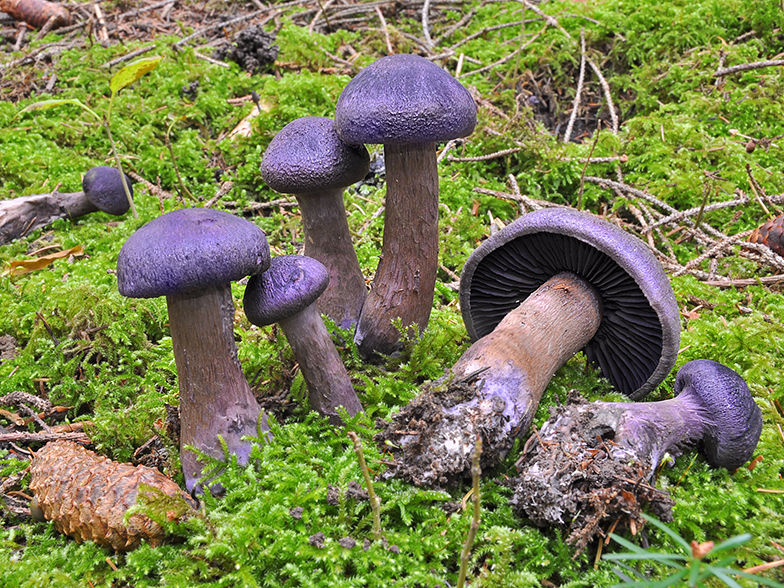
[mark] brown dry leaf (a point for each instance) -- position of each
(25, 266)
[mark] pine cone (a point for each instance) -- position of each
(771, 234)
(86, 496)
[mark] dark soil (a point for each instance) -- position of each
(253, 49)
(432, 439)
(572, 475)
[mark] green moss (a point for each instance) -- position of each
(83, 345)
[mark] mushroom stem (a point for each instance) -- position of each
(215, 398)
(645, 431)
(521, 355)
(508, 371)
(329, 384)
(19, 216)
(404, 284)
(591, 461)
(328, 240)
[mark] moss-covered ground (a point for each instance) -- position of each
(683, 133)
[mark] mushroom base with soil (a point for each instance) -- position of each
(594, 461)
(20, 216)
(572, 474)
(215, 398)
(494, 388)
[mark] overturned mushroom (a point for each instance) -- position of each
(286, 294)
(548, 285)
(191, 256)
(308, 159)
(102, 190)
(408, 104)
(594, 460)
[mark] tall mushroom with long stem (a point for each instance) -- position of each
(308, 159)
(548, 285)
(606, 453)
(408, 104)
(191, 256)
(101, 190)
(286, 294)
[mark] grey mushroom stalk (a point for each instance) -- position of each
(102, 190)
(548, 285)
(308, 159)
(607, 453)
(191, 256)
(286, 294)
(408, 104)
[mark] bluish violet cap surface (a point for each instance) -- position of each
(103, 187)
(735, 419)
(636, 344)
(292, 283)
(403, 99)
(190, 249)
(307, 156)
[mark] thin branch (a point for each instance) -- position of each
(487, 157)
(426, 24)
(128, 56)
(508, 57)
(385, 29)
(578, 93)
(747, 66)
(375, 501)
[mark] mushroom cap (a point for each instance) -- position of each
(103, 187)
(190, 249)
(734, 419)
(308, 156)
(403, 99)
(636, 344)
(292, 283)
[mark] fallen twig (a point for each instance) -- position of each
(24, 437)
(486, 157)
(128, 56)
(578, 93)
(725, 71)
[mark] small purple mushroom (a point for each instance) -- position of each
(408, 104)
(548, 285)
(286, 294)
(603, 453)
(308, 159)
(191, 256)
(101, 190)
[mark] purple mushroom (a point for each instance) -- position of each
(604, 453)
(101, 190)
(308, 159)
(191, 256)
(408, 104)
(548, 285)
(286, 294)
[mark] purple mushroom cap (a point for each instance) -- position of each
(636, 344)
(103, 187)
(189, 249)
(734, 419)
(308, 156)
(292, 283)
(403, 99)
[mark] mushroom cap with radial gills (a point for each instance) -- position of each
(636, 344)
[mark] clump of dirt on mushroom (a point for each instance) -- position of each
(572, 478)
(428, 458)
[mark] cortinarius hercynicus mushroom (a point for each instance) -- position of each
(286, 294)
(191, 256)
(408, 104)
(101, 190)
(604, 453)
(548, 285)
(308, 159)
